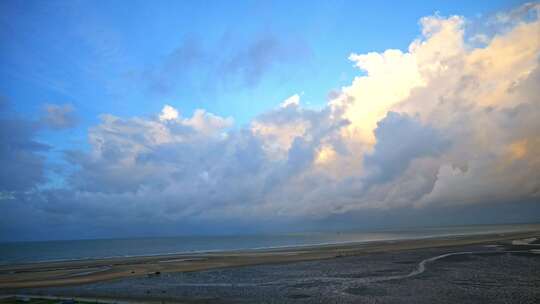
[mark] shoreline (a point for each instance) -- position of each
(96, 300)
(74, 272)
(261, 249)
(535, 227)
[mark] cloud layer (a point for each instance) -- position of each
(446, 124)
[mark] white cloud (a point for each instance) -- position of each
(208, 123)
(293, 101)
(168, 113)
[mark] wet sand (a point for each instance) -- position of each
(466, 269)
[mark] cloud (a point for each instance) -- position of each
(293, 101)
(59, 116)
(130, 154)
(435, 129)
(228, 63)
(21, 159)
(181, 66)
(260, 56)
(168, 113)
(208, 123)
(399, 140)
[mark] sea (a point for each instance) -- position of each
(30, 252)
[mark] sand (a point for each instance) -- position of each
(50, 274)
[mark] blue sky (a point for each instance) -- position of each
(114, 57)
(98, 55)
(66, 63)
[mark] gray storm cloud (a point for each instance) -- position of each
(445, 124)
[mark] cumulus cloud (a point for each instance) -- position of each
(293, 101)
(168, 113)
(443, 124)
(208, 123)
(130, 154)
(465, 93)
(401, 139)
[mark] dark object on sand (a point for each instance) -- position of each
(155, 274)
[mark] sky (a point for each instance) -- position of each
(138, 118)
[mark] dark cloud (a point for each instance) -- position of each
(401, 139)
(251, 63)
(21, 158)
(59, 116)
(227, 64)
(182, 66)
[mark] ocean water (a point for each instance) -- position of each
(25, 252)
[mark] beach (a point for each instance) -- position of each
(491, 267)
